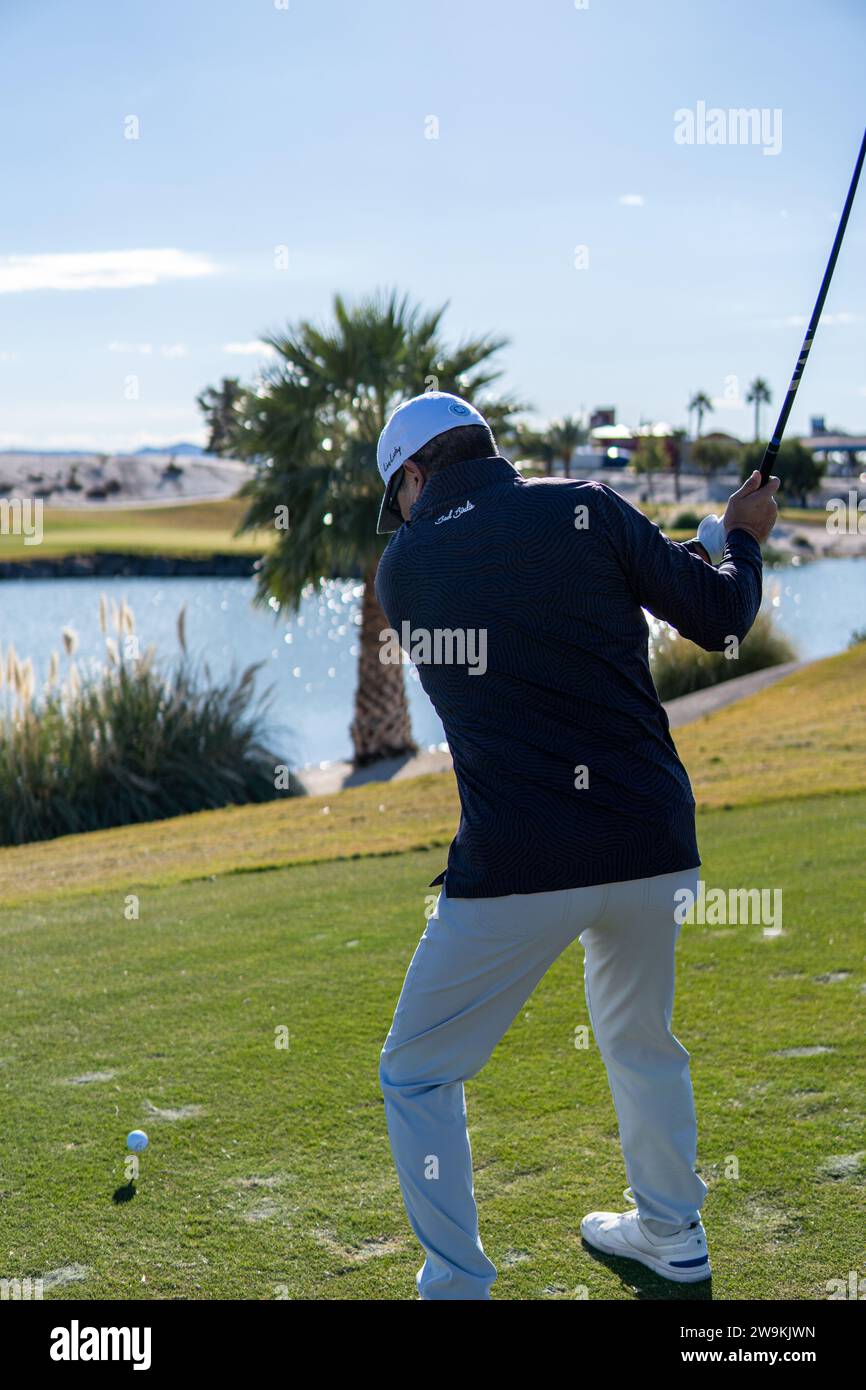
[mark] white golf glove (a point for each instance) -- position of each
(712, 534)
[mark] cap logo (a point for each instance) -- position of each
(398, 449)
(458, 409)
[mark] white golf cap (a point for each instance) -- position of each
(412, 425)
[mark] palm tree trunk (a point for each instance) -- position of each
(381, 727)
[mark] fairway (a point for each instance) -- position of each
(190, 530)
(269, 1173)
(194, 530)
(269, 1170)
(812, 739)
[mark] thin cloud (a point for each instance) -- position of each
(251, 349)
(146, 349)
(631, 200)
(100, 270)
(830, 320)
(114, 442)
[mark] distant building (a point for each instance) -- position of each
(615, 443)
(720, 437)
(603, 415)
(839, 452)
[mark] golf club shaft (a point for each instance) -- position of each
(772, 448)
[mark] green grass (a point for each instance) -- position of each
(193, 530)
(663, 512)
(282, 1176)
(270, 1168)
(202, 529)
(804, 735)
(813, 516)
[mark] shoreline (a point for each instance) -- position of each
(685, 709)
(805, 542)
(107, 564)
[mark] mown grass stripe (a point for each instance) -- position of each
(805, 736)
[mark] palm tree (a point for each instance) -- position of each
(565, 435)
(700, 403)
(758, 394)
(311, 427)
(533, 444)
(558, 441)
(218, 404)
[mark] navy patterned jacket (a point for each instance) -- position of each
(566, 769)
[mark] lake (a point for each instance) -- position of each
(310, 659)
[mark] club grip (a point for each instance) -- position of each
(770, 455)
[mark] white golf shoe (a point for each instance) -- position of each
(682, 1257)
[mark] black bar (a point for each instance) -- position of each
(197, 1340)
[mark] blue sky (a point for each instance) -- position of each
(304, 127)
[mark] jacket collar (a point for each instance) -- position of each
(461, 481)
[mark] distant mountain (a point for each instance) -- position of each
(183, 450)
(186, 450)
(48, 453)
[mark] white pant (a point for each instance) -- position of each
(474, 968)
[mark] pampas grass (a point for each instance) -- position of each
(127, 742)
(679, 667)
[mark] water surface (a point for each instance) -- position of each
(310, 659)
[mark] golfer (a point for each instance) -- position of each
(577, 817)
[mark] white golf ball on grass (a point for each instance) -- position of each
(137, 1140)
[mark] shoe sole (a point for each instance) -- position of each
(676, 1276)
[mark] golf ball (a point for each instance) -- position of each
(137, 1140)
